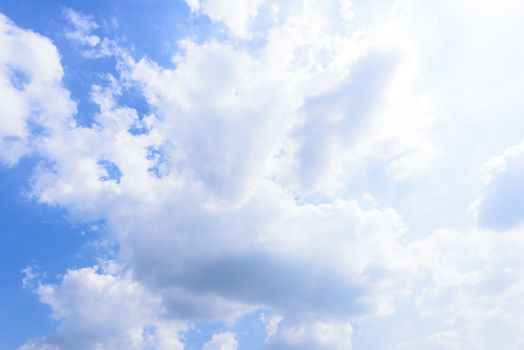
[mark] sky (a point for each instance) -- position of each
(261, 174)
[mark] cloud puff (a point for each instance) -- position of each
(100, 311)
(33, 101)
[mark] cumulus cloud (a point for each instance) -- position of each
(322, 105)
(261, 256)
(238, 238)
(102, 311)
(198, 204)
(237, 192)
(33, 101)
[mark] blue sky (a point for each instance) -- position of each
(259, 174)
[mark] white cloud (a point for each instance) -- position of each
(82, 32)
(82, 27)
(222, 341)
(203, 211)
(322, 105)
(102, 311)
(472, 289)
(235, 14)
(212, 227)
(262, 253)
(243, 189)
(31, 95)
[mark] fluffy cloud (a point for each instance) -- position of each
(101, 311)
(206, 205)
(33, 101)
(323, 106)
(211, 225)
(259, 254)
(246, 188)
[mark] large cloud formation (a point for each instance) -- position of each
(262, 180)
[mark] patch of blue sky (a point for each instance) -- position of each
(249, 332)
(112, 171)
(201, 333)
(38, 236)
(152, 29)
(132, 98)
(160, 158)
(18, 78)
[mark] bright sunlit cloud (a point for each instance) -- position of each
(261, 174)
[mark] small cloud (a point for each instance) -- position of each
(222, 341)
(82, 32)
(31, 276)
(83, 26)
